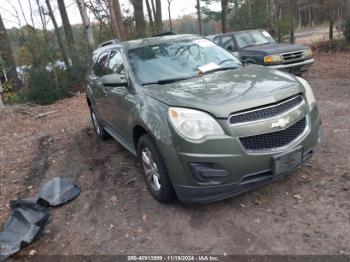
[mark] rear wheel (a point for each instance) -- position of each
(99, 129)
(154, 171)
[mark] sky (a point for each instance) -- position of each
(178, 9)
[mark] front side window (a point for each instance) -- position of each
(217, 40)
(227, 43)
(116, 65)
(101, 67)
(178, 59)
(252, 38)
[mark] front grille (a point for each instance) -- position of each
(291, 57)
(275, 139)
(266, 112)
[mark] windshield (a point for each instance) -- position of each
(179, 60)
(252, 38)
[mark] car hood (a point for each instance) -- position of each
(224, 92)
(275, 48)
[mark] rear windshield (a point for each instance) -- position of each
(179, 59)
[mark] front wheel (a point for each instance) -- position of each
(99, 129)
(154, 171)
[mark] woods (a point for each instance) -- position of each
(64, 47)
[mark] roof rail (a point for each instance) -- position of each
(165, 34)
(109, 42)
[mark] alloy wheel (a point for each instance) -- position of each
(151, 169)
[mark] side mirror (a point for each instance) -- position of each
(114, 80)
(230, 48)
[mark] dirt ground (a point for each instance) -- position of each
(305, 213)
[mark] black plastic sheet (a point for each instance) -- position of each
(58, 191)
(30, 215)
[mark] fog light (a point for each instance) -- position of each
(205, 171)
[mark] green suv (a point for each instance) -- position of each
(204, 125)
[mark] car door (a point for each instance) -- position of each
(95, 82)
(120, 100)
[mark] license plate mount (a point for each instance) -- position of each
(286, 162)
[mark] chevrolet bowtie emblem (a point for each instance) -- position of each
(281, 123)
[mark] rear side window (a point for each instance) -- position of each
(101, 67)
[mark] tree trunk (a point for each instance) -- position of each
(65, 53)
(1, 103)
(331, 27)
(250, 17)
(150, 17)
(153, 10)
(158, 17)
(66, 24)
(120, 22)
(224, 8)
(140, 23)
(292, 33)
(86, 24)
(169, 13)
(42, 19)
(271, 8)
(347, 21)
(114, 23)
(7, 54)
(199, 14)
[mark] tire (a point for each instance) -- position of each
(156, 177)
(99, 129)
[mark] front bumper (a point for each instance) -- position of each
(298, 67)
(207, 194)
(244, 171)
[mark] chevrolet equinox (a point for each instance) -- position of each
(204, 125)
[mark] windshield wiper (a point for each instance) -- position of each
(256, 44)
(167, 81)
(221, 69)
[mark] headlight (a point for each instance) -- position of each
(272, 59)
(308, 53)
(193, 124)
(308, 92)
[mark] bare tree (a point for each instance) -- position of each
(158, 16)
(65, 53)
(199, 15)
(7, 54)
(116, 19)
(1, 103)
(169, 13)
(23, 14)
(140, 23)
(347, 20)
(114, 23)
(42, 19)
(100, 10)
(86, 24)
(153, 9)
(150, 17)
(224, 8)
(271, 9)
(31, 13)
(118, 14)
(66, 24)
(15, 14)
